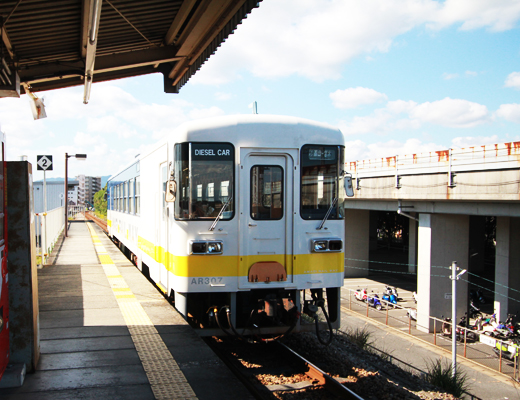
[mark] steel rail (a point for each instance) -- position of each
(328, 382)
(99, 222)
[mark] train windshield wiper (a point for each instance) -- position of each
(214, 224)
(328, 213)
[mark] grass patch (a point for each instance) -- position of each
(360, 337)
(440, 375)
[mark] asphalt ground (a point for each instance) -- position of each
(418, 351)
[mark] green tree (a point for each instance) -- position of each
(100, 204)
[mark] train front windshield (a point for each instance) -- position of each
(320, 182)
(205, 179)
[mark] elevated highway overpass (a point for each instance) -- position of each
(452, 205)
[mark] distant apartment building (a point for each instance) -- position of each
(88, 187)
(73, 195)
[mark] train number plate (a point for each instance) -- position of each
(214, 280)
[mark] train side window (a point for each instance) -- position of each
(138, 195)
(131, 196)
(266, 192)
(125, 197)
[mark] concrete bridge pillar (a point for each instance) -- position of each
(357, 223)
(507, 267)
(412, 246)
(442, 239)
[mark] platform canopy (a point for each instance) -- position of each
(51, 44)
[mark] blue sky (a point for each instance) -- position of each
(396, 76)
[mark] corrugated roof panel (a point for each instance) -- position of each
(46, 37)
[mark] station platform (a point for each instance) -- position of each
(107, 333)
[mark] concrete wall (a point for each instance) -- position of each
(357, 223)
(442, 239)
(514, 269)
(412, 245)
(507, 267)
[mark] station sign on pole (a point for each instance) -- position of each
(44, 163)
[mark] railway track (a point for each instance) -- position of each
(275, 371)
(98, 221)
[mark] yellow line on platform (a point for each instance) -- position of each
(166, 378)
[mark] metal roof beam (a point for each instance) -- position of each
(5, 39)
(113, 62)
(178, 22)
(85, 13)
(93, 28)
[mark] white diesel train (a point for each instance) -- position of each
(239, 220)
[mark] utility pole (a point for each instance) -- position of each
(454, 278)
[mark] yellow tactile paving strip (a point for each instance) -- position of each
(165, 376)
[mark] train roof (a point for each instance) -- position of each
(250, 130)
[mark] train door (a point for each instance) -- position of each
(163, 210)
(266, 218)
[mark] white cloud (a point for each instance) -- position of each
(469, 141)
(353, 97)
(447, 76)
(376, 123)
(198, 113)
(359, 150)
(315, 39)
(495, 15)
(471, 73)
(83, 139)
(223, 96)
(453, 113)
(111, 125)
(355, 150)
(106, 98)
(513, 80)
(510, 112)
(103, 129)
(400, 106)
(18, 124)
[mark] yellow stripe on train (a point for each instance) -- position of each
(197, 266)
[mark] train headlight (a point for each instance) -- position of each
(320, 245)
(203, 247)
(333, 245)
(214, 247)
